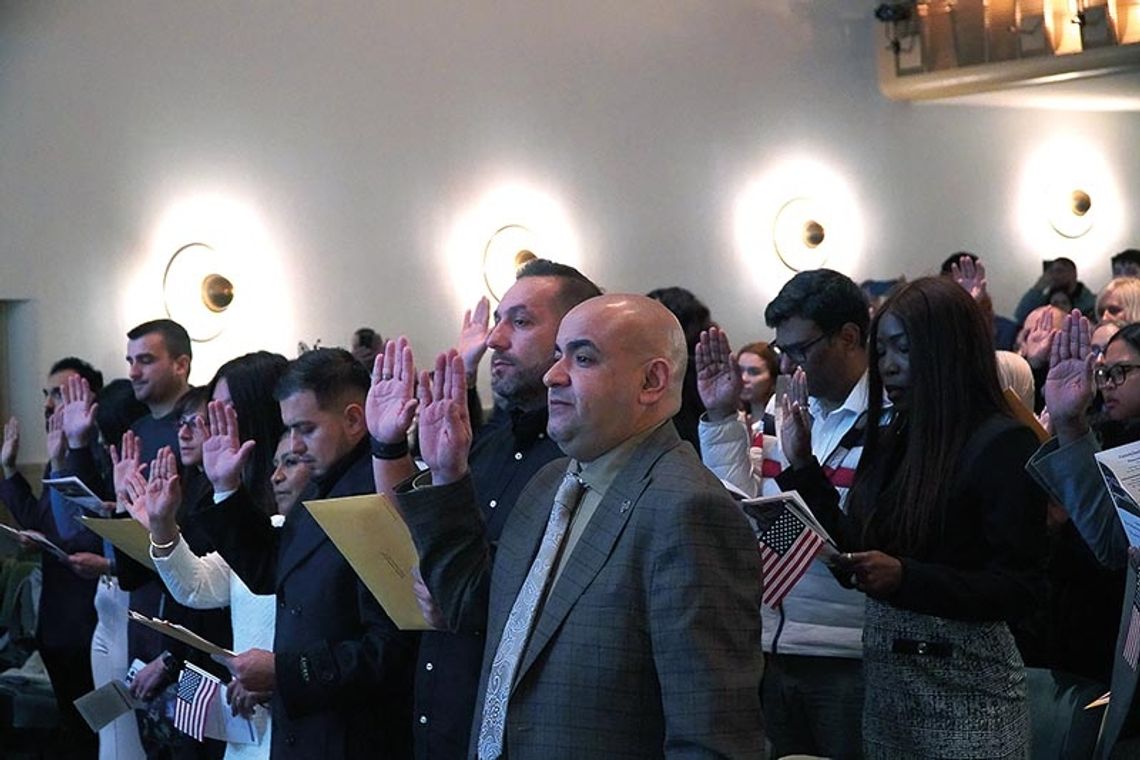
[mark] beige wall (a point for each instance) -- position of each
(352, 151)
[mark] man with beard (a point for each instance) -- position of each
(502, 460)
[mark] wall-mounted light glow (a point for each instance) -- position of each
(213, 233)
(1071, 213)
(801, 214)
(1069, 203)
(798, 234)
(195, 292)
(500, 230)
(509, 248)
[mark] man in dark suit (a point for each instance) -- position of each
(622, 608)
(340, 672)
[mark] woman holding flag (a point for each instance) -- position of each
(944, 532)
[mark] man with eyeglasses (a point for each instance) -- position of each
(66, 619)
(813, 680)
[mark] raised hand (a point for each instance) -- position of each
(392, 401)
(473, 336)
(125, 460)
(79, 409)
(795, 422)
(718, 375)
(223, 453)
(134, 498)
(445, 427)
(164, 496)
(1069, 384)
(56, 441)
(1038, 342)
(971, 276)
(11, 447)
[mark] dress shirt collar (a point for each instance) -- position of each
(599, 474)
(855, 403)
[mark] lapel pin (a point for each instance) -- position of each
(625, 505)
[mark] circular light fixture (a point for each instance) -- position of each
(799, 235)
(508, 249)
(194, 293)
(1071, 214)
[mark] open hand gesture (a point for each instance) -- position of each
(223, 453)
(391, 402)
(445, 427)
(56, 441)
(134, 498)
(971, 276)
(124, 460)
(1038, 342)
(796, 421)
(1069, 384)
(718, 375)
(79, 409)
(164, 493)
(11, 447)
(473, 336)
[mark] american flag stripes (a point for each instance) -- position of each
(196, 688)
(787, 548)
(1131, 650)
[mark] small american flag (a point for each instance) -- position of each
(1131, 649)
(787, 548)
(196, 688)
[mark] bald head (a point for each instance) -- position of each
(621, 361)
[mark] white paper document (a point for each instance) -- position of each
(109, 702)
(1120, 468)
(39, 539)
(74, 489)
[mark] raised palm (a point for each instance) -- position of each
(718, 375)
(1069, 384)
(56, 441)
(78, 411)
(473, 335)
(11, 447)
(1038, 343)
(970, 275)
(125, 461)
(795, 422)
(445, 426)
(391, 403)
(223, 453)
(163, 490)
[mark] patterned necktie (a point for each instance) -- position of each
(521, 620)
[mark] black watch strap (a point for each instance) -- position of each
(398, 450)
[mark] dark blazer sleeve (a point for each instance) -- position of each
(245, 538)
(455, 556)
(16, 493)
(327, 673)
(1011, 509)
(81, 463)
(823, 499)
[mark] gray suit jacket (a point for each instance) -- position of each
(649, 643)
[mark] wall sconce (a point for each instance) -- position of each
(509, 248)
(194, 292)
(1071, 215)
(799, 233)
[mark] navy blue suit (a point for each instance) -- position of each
(344, 671)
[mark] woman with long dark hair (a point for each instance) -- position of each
(944, 532)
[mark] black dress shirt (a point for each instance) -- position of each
(503, 459)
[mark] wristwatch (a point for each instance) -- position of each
(171, 664)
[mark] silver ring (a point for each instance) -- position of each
(385, 377)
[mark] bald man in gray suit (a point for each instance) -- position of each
(621, 610)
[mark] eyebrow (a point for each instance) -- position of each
(574, 345)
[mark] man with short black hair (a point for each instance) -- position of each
(340, 672)
(813, 684)
(1126, 263)
(1058, 275)
(66, 618)
(503, 459)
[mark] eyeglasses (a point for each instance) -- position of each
(193, 420)
(55, 394)
(797, 352)
(1113, 375)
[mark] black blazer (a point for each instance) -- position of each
(344, 671)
